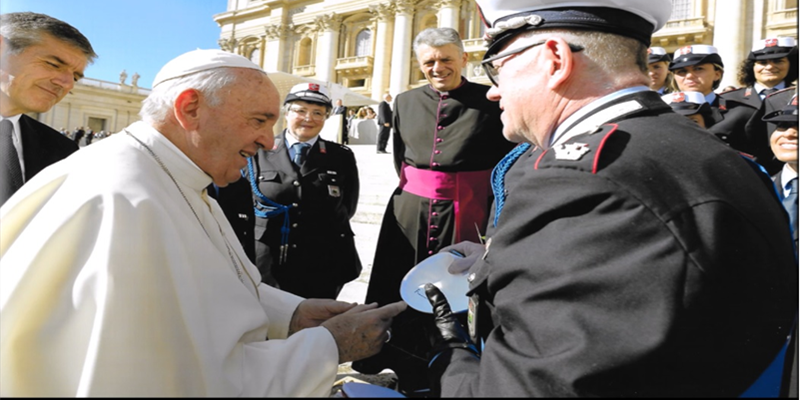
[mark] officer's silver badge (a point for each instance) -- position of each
(571, 151)
(334, 191)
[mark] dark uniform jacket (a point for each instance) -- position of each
(41, 146)
(641, 258)
(730, 117)
(320, 255)
(236, 200)
(456, 131)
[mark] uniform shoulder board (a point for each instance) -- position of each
(782, 91)
(580, 152)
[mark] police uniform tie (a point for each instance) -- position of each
(11, 175)
(300, 150)
(790, 204)
(766, 92)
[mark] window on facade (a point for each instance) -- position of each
(97, 124)
(681, 9)
(790, 4)
(364, 43)
(304, 52)
(255, 56)
(356, 83)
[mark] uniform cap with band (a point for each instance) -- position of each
(310, 93)
(201, 60)
(687, 103)
(656, 54)
(772, 48)
(636, 19)
(695, 55)
(786, 114)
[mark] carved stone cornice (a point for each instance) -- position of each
(447, 4)
(328, 22)
(382, 11)
(227, 44)
(404, 6)
(277, 31)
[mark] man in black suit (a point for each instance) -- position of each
(384, 123)
(341, 112)
(45, 57)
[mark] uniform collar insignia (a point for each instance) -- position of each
(571, 151)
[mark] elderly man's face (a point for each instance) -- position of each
(442, 65)
(38, 77)
(235, 129)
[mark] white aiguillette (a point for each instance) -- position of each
(434, 270)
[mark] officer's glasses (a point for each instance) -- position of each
(493, 72)
(306, 114)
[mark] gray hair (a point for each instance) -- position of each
(612, 54)
(21, 30)
(158, 105)
(438, 37)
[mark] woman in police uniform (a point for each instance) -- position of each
(304, 201)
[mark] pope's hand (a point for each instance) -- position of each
(362, 330)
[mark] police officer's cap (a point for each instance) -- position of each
(637, 19)
(310, 93)
(786, 114)
(688, 103)
(772, 48)
(695, 55)
(656, 54)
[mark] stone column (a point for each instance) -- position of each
(402, 41)
(449, 13)
(276, 43)
(381, 68)
(729, 37)
(328, 46)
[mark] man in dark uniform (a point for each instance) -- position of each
(632, 254)
(41, 58)
(307, 192)
(446, 141)
(384, 123)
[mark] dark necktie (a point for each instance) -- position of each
(300, 150)
(768, 91)
(790, 204)
(11, 175)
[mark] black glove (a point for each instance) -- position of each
(449, 335)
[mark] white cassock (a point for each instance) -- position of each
(111, 286)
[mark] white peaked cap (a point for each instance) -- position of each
(201, 60)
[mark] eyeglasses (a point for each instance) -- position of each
(306, 114)
(493, 72)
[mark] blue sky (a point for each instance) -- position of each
(137, 36)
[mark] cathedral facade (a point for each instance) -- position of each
(366, 45)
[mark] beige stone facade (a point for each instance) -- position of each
(97, 105)
(365, 45)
